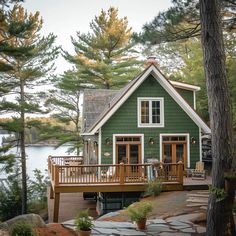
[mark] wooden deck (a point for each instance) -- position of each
(72, 203)
(69, 175)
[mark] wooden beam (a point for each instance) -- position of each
(56, 207)
(51, 193)
(100, 188)
(114, 188)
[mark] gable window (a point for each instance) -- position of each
(150, 112)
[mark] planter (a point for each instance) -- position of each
(142, 223)
(84, 232)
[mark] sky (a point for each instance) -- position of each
(64, 18)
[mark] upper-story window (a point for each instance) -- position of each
(150, 112)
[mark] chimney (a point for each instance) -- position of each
(151, 60)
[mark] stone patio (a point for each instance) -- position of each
(168, 227)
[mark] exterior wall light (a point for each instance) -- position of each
(193, 140)
(108, 141)
(151, 141)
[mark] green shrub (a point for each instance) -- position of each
(83, 221)
(139, 210)
(22, 228)
(154, 187)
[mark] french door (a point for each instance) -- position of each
(174, 149)
(128, 151)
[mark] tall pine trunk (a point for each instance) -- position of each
(219, 213)
(22, 148)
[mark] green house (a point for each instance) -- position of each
(150, 118)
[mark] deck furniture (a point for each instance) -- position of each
(109, 173)
(199, 172)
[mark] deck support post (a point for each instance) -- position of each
(56, 207)
(122, 173)
(180, 172)
(51, 192)
(122, 200)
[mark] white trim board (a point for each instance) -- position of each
(200, 145)
(168, 87)
(177, 134)
(126, 135)
(185, 86)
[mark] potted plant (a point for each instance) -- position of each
(138, 212)
(84, 223)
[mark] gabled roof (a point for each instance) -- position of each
(122, 95)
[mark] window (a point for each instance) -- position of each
(174, 138)
(150, 112)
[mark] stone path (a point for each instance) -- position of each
(179, 225)
(174, 226)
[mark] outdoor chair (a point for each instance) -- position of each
(72, 168)
(199, 172)
(109, 173)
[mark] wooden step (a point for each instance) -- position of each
(197, 200)
(196, 204)
(197, 195)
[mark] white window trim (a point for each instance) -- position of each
(194, 100)
(200, 144)
(162, 120)
(128, 135)
(178, 134)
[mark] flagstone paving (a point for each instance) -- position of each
(170, 227)
(173, 225)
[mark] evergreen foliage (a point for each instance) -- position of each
(182, 21)
(10, 196)
(29, 57)
(22, 228)
(6, 160)
(105, 58)
(64, 102)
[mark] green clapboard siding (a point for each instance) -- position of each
(124, 121)
(187, 95)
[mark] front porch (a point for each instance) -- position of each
(69, 175)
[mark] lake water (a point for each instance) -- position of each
(37, 156)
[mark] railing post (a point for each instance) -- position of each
(180, 172)
(49, 168)
(56, 175)
(122, 173)
(52, 171)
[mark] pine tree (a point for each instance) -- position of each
(220, 219)
(64, 102)
(6, 160)
(182, 21)
(30, 59)
(106, 56)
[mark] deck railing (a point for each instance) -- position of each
(65, 170)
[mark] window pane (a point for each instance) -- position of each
(182, 138)
(166, 138)
(174, 138)
(155, 112)
(144, 112)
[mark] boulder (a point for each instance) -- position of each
(33, 219)
(4, 233)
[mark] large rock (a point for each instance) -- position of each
(4, 233)
(33, 219)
